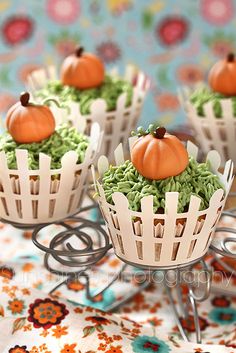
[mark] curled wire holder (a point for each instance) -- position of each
(77, 260)
(76, 263)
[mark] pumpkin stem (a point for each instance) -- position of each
(230, 57)
(160, 132)
(24, 98)
(79, 51)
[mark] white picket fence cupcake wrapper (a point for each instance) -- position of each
(45, 195)
(116, 124)
(212, 132)
(162, 240)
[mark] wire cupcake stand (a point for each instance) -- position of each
(73, 260)
(76, 261)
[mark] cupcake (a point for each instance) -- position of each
(43, 167)
(114, 102)
(211, 109)
(161, 206)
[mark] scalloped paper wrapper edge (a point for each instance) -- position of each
(169, 239)
(212, 132)
(116, 124)
(34, 190)
(45, 195)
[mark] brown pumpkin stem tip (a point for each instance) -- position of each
(79, 51)
(160, 132)
(24, 98)
(230, 57)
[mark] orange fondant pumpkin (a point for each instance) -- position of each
(222, 76)
(159, 155)
(82, 70)
(27, 122)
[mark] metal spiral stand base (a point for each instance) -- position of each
(76, 260)
(224, 247)
(76, 263)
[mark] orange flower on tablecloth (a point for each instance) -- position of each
(113, 349)
(16, 306)
(7, 272)
(75, 285)
(34, 349)
(44, 333)
(190, 74)
(27, 327)
(102, 347)
(27, 267)
(114, 263)
(167, 101)
(109, 340)
(25, 291)
(102, 336)
(9, 290)
(78, 310)
(59, 331)
(198, 350)
(69, 348)
(117, 337)
(153, 309)
(43, 348)
(27, 234)
(138, 298)
(18, 349)
(46, 313)
(154, 321)
(98, 320)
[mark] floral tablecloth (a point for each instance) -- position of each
(31, 321)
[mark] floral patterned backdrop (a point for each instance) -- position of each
(174, 42)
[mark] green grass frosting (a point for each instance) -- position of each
(109, 90)
(203, 95)
(196, 179)
(64, 139)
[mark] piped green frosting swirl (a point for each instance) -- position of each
(196, 179)
(110, 90)
(204, 95)
(64, 139)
